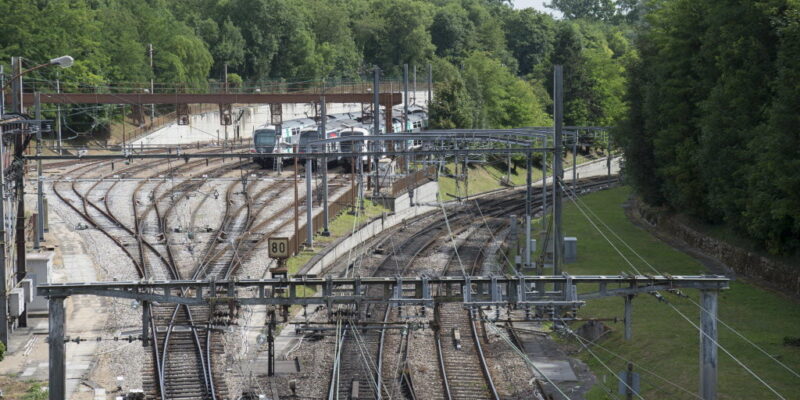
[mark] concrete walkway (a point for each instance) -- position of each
(85, 318)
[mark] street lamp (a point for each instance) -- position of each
(63, 62)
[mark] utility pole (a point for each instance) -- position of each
(629, 382)
(3, 273)
(430, 86)
(608, 158)
(323, 128)
(406, 127)
(124, 107)
(415, 84)
(152, 84)
(226, 91)
(544, 186)
(58, 120)
(558, 172)
(628, 319)
(271, 342)
(708, 344)
(528, 207)
(19, 182)
(575, 162)
(360, 146)
(309, 201)
(296, 206)
(57, 348)
(376, 126)
(39, 234)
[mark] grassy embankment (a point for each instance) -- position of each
(488, 176)
(339, 226)
(665, 343)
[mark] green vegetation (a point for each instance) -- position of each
(663, 341)
(340, 226)
(712, 127)
(492, 63)
(492, 175)
(37, 391)
(21, 389)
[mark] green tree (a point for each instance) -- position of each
(396, 33)
(603, 10)
(501, 99)
(336, 48)
(530, 36)
(452, 32)
(711, 127)
(452, 106)
(772, 210)
(229, 45)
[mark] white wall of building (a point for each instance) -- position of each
(206, 127)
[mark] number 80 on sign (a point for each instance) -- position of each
(278, 247)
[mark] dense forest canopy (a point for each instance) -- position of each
(493, 61)
(714, 122)
(705, 93)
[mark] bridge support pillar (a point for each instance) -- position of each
(57, 329)
(708, 344)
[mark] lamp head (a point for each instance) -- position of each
(63, 61)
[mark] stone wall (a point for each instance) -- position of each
(743, 262)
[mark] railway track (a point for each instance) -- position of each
(184, 345)
(464, 372)
(182, 340)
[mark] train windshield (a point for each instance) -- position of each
(306, 137)
(265, 137)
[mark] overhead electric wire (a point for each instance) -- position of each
(640, 367)
(635, 393)
(741, 364)
(525, 357)
(572, 197)
(452, 239)
(628, 246)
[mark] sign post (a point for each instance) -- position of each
(277, 248)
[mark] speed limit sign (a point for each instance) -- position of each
(278, 247)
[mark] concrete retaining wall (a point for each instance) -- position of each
(342, 246)
(747, 263)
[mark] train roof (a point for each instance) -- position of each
(416, 117)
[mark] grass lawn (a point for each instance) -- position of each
(485, 177)
(340, 225)
(665, 343)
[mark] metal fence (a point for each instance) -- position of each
(336, 207)
(403, 184)
(347, 200)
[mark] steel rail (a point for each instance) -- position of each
(315, 155)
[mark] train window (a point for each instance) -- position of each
(265, 137)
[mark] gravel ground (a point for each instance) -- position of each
(512, 377)
(426, 376)
(121, 318)
(315, 356)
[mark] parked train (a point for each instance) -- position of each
(296, 134)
